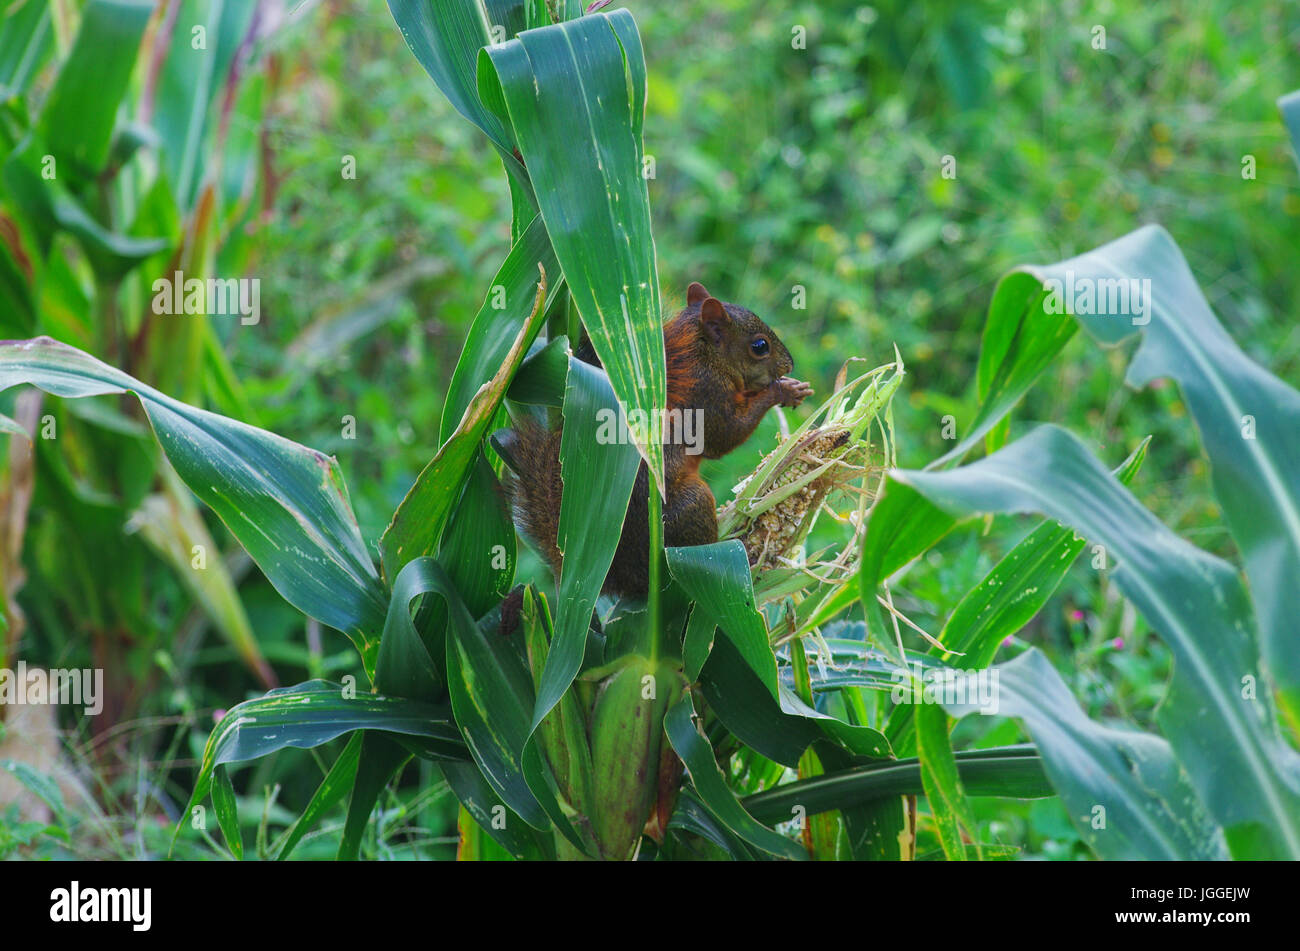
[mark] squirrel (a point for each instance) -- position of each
(724, 363)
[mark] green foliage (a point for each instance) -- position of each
(1219, 717)
(731, 716)
(286, 504)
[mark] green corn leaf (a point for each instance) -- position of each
(855, 663)
(491, 693)
(1010, 772)
(499, 322)
(190, 82)
(1018, 586)
(819, 833)
(942, 783)
(171, 523)
(446, 36)
(111, 254)
(902, 525)
(496, 818)
(239, 163)
(591, 523)
(1020, 341)
(873, 830)
(511, 16)
(227, 810)
(26, 40)
(286, 504)
(336, 784)
(575, 96)
(13, 427)
(712, 787)
(542, 375)
(49, 206)
(562, 737)
(77, 121)
(781, 728)
(1247, 420)
(746, 707)
(717, 578)
(405, 666)
(697, 643)
(1224, 733)
(312, 713)
(418, 522)
(1002, 603)
(478, 546)
(490, 690)
(1125, 793)
(381, 758)
(692, 816)
(1141, 285)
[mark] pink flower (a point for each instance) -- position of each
(1076, 615)
(1118, 643)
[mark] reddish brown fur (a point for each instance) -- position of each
(710, 369)
(680, 344)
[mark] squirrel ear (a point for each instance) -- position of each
(695, 293)
(713, 318)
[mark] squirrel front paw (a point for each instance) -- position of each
(791, 392)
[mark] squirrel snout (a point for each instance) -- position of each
(783, 366)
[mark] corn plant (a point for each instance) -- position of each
(1220, 780)
(129, 142)
(738, 711)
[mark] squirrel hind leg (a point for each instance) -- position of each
(690, 517)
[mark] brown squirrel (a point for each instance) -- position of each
(723, 361)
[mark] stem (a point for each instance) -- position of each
(656, 559)
(799, 666)
(573, 327)
(557, 319)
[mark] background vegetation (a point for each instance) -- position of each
(774, 168)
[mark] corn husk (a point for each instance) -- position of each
(833, 464)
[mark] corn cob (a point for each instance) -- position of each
(774, 509)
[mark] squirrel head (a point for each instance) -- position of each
(737, 342)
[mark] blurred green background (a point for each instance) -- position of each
(776, 168)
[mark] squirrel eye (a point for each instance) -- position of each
(759, 346)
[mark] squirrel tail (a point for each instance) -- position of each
(532, 484)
